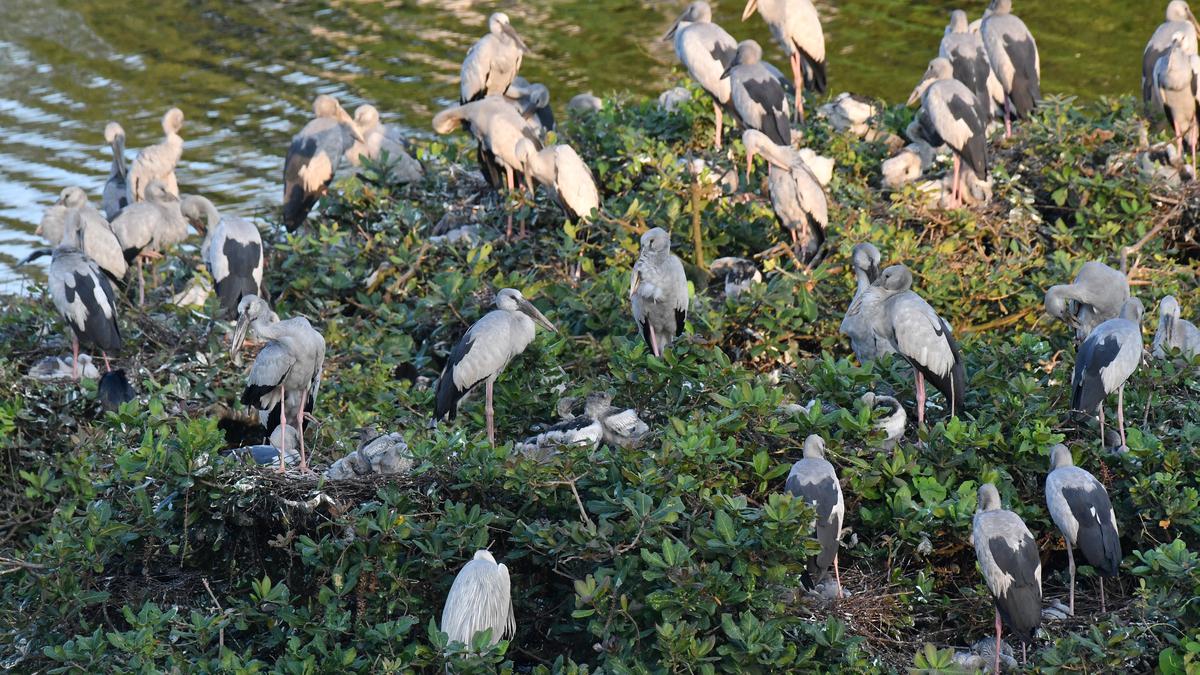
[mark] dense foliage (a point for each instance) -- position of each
(129, 544)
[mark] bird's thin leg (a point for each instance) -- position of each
(1071, 570)
(283, 423)
(1121, 412)
(954, 192)
(719, 115)
(1102, 440)
(141, 283)
(107, 365)
(920, 399)
(1103, 609)
(837, 575)
(508, 174)
(653, 340)
(1007, 118)
(1024, 654)
(74, 357)
(799, 82)
(488, 412)
(997, 655)
(300, 430)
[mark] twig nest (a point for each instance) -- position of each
(384, 455)
(671, 99)
(849, 113)
(585, 101)
(60, 368)
(820, 166)
(827, 590)
(973, 193)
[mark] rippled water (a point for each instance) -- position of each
(244, 72)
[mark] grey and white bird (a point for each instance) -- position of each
(950, 115)
(868, 299)
(924, 339)
(157, 162)
(532, 100)
(1177, 85)
(314, 157)
(1013, 53)
(797, 197)
(735, 275)
(796, 26)
(480, 599)
(492, 62)
(1079, 506)
(380, 140)
(1174, 332)
(559, 169)
(148, 227)
(890, 417)
(116, 188)
(658, 291)
(484, 351)
(97, 239)
(1109, 355)
(814, 480)
(582, 431)
(757, 94)
(1179, 19)
(964, 50)
(497, 128)
(289, 364)
(232, 251)
(706, 51)
(1011, 567)
(83, 297)
(1096, 295)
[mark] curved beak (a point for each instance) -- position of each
(532, 312)
(1192, 20)
(348, 121)
(725, 75)
(239, 337)
(512, 33)
(873, 271)
(749, 11)
(916, 94)
(674, 27)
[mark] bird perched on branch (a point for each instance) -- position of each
(658, 291)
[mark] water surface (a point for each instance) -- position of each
(245, 71)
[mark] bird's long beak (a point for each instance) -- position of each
(1192, 20)
(916, 94)
(873, 271)
(674, 27)
(725, 75)
(529, 108)
(533, 313)
(239, 337)
(512, 33)
(345, 118)
(749, 11)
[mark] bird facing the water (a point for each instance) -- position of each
(485, 350)
(1013, 53)
(157, 162)
(796, 26)
(658, 291)
(314, 157)
(116, 188)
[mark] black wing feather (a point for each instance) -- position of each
(1097, 537)
(296, 201)
(1021, 605)
(1087, 389)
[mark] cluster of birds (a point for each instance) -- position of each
(985, 72)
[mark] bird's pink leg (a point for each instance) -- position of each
(954, 192)
(1102, 439)
(920, 399)
(300, 429)
(837, 575)
(720, 118)
(653, 339)
(1103, 609)
(283, 423)
(1007, 118)
(997, 655)
(1071, 569)
(508, 173)
(74, 356)
(141, 283)
(798, 80)
(107, 365)
(1121, 412)
(490, 414)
